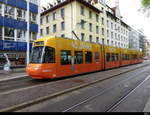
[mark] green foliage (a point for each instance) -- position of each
(146, 3)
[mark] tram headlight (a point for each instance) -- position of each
(37, 68)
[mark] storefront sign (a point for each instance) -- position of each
(21, 46)
(9, 45)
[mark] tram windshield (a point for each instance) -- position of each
(42, 54)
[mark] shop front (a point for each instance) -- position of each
(16, 52)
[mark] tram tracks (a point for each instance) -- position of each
(120, 100)
(37, 100)
(116, 103)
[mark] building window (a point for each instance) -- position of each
(47, 19)
(116, 36)
(41, 21)
(47, 30)
(33, 18)
(112, 35)
(90, 38)
(82, 24)
(112, 43)
(21, 14)
(90, 27)
(82, 10)
(97, 17)
(97, 29)
(108, 23)
(41, 32)
(82, 36)
(103, 21)
(107, 33)
(54, 28)
(63, 13)
(97, 39)
(9, 11)
(62, 25)
(9, 33)
(78, 57)
(20, 35)
(90, 14)
(103, 32)
(111, 25)
(65, 57)
(102, 10)
(33, 36)
(54, 16)
(108, 42)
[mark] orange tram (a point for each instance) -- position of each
(53, 57)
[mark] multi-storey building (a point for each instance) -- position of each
(142, 41)
(137, 40)
(75, 19)
(19, 21)
(134, 42)
(148, 49)
(117, 30)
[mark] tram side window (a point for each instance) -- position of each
(65, 57)
(49, 55)
(113, 57)
(128, 57)
(88, 57)
(122, 56)
(78, 57)
(96, 57)
(117, 57)
(108, 57)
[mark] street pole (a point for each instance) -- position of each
(27, 35)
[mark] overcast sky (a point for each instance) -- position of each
(129, 11)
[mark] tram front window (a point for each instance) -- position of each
(36, 54)
(42, 54)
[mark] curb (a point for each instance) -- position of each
(12, 78)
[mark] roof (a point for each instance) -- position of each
(67, 2)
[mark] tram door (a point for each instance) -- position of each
(103, 55)
(120, 58)
(72, 62)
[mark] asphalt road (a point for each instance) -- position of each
(100, 96)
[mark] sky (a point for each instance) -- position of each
(129, 12)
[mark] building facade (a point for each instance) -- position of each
(134, 42)
(137, 40)
(117, 30)
(74, 19)
(19, 24)
(142, 41)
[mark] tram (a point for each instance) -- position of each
(54, 57)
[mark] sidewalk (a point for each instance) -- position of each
(13, 74)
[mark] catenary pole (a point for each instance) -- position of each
(27, 35)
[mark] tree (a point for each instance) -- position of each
(145, 7)
(146, 4)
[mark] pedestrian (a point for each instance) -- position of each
(7, 65)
